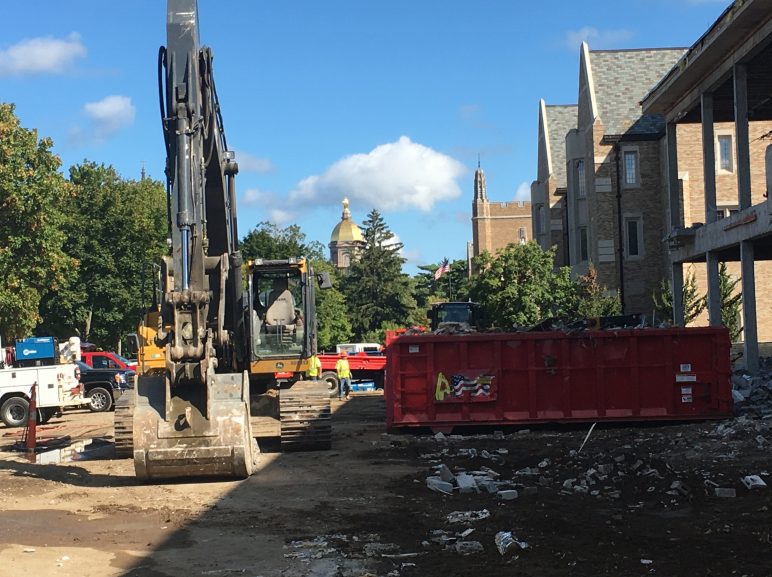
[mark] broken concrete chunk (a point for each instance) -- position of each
(446, 474)
(505, 540)
(438, 485)
(725, 492)
(468, 516)
(508, 495)
(469, 547)
(440, 436)
(466, 483)
(753, 482)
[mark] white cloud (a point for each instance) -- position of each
(272, 206)
(597, 38)
(41, 55)
(109, 115)
(251, 163)
(395, 176)
(523, 191)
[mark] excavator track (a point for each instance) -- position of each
(304, 413)
(124, 426)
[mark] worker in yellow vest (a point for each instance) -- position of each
(314, 368)
(344, 374)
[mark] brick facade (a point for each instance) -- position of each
(599, 207)
(497, 224)
(691, 176)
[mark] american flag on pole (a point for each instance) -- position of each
(444, 267)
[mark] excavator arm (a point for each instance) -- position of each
(193, 419)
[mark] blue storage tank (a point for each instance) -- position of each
(36, 351)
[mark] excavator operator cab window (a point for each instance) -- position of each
(277, 318)
(454, 314)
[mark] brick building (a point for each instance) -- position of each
(615, 198)
(668, 166)
(718, 163)
(497, 224)
(548, 191)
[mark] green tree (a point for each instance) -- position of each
(269, 241)
(694, 303)
(378, 293)
(33, 200)
(731, 299)
(452, 286)
(332, 322)
(592, 300)
(519, 286)
(115, 227)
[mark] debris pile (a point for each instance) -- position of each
(753, 395)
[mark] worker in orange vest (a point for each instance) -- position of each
(344, 374)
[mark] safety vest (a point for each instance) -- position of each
(314, 366)
(342, 368)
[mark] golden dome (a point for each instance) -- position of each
(346, 230)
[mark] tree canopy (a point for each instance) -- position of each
(519, 287)
(34, 202)
(269, 241)
(378, 293)
(115, 227)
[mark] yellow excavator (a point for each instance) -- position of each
(190, 412)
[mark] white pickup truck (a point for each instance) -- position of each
(57, 387)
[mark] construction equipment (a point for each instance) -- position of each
(190, 414)
(459, 315)
(280, 303)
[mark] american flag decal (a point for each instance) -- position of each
(476, 387)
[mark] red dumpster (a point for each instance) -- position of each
(445, 381)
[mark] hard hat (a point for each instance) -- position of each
(343, 354)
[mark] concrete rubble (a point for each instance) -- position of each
(753, 395)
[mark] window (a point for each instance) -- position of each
(581, 184)
(726, 211)
(630, 161)
(725, 160)
(633, 237)
(583, 245)
(521, 232)
(540, 223)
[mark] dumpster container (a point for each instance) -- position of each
(447, 381)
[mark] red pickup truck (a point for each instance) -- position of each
(107, 360)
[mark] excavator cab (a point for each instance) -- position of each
(280, 316)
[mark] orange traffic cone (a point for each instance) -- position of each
(32, 421)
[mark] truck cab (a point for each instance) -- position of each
(107, 360)
(463, 314)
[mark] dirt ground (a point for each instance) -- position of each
(637, 500)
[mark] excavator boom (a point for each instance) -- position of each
(193, 418)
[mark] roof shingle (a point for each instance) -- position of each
(621, 78)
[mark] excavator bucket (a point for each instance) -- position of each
(189, 436)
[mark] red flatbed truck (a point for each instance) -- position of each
(367, 362)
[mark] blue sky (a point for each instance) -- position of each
(386, 102)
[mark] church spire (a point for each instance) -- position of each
(480, 191)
